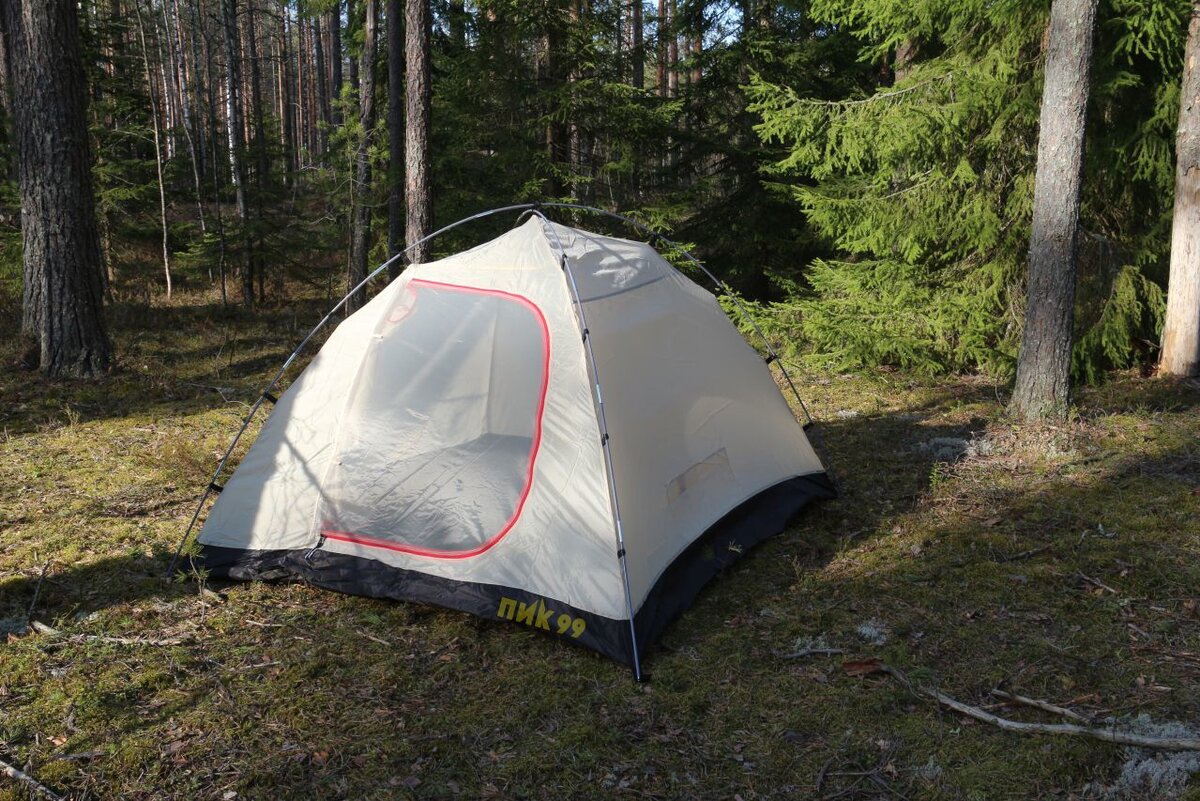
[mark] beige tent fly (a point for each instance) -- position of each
(554, 428)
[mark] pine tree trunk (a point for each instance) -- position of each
(62, 261)
(214, 139)
(335, 61)
(1181, 331)
(319, 68)
(417, 24)
(395, 124)
(158, 156)
(237, 139)
(457, 21)
(637, 49)
(353, 77)
(360, 235)
(262, 156)
(906, 54)
(672, 50)
(1044, 366)
(662, 26)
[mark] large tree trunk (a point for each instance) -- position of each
(417, 24)
(360, 235)
(1044, 366)
(62, 262)
(237, 140)
(1181, 332)
(395, 124)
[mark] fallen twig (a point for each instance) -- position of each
(77, 757)
(37, 591)
(34, 784)
(1095, 582)
(1042, 705)
(1016, 557)
(1109, 735)
(49, 631)
(806, 652)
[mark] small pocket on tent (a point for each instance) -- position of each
(714, 467)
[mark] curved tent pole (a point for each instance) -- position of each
(653, 235)
(213, 487)
(564, 263)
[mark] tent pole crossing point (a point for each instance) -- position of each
(604, 443)
(720, 284)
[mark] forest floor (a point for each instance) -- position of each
(1061, 564)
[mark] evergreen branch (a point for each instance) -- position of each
(807, 101)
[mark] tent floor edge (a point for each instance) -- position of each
(759, 518)
(356, 575)
(764, 515)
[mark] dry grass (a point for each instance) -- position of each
(1061, 563)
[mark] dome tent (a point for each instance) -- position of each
(554, 428)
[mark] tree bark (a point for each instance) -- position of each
(62, 261)
(417, 23)
(672, 50)
(323, 102)
(906, 54)
(262, 156)
(661, 48)
(158, 156)
(335, 62)
(353, 76)
(395, 124)
(360, 235)
(1044, 366)
(237, 140)
(1181, 331)
(637, 48)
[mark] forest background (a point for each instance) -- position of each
(861, 171)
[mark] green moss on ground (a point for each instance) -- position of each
(1061, 562)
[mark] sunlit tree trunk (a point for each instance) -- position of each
(158, 154)
(237, 139)
(1181, 331)
(262, 156)
(395, 124)
(419, 203)
(1044, 366)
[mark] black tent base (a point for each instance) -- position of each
(766, 514)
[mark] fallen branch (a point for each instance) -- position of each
(1067, 729)
(1045, 706)
(36, 786)
(49, 631)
